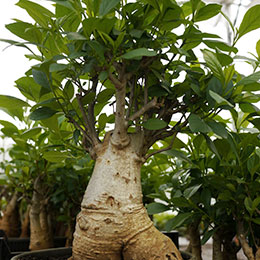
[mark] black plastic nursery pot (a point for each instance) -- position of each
(62, 253)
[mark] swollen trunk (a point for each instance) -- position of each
(41, 233)
(10, 222)
(113, 223)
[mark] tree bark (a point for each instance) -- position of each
(41, 233)
(10, 222)
(113, 223)
(217, 247)
(241, 234)
(25, 231)
(194, 235)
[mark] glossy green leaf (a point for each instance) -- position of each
(138, 53)
(106, 6)
(10, 102)
(248, 204)
(189, 192)
(30, 133)
(220, 45)
(214, 64)
(58, 67)
(220, 100)
(105, 95)
(25, 31)
(42, 113)
(196, 124)
(41, 79)
(9, 125)
(55, 156)
(207, 236)
(177, 221)
(255, 77)
(218, 129)
(155, 208)
(250, 22)
(65, 3)
(154, 124)
(178, 154)
(258, 48)
(207, 12)
(40, 14)
(29, 88)
(75, 36)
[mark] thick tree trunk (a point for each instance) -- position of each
(41, 233)
(25, 231)
(241, 234)
(113, 223)
(217, 247)
(10, 222)
(195, 243)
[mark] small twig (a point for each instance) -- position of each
(131, 98)
(75, 123)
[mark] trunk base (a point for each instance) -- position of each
(126, 235)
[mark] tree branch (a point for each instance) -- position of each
(88, 124)
(144, 109)
(162, 150)
(120, 137)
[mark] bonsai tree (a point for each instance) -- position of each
(124, 70)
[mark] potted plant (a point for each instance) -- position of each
(94, 55)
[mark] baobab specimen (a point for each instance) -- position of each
(111, 63)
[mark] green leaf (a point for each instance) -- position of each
(138, 53)
(42, 113)
(196, 124)
(74, 36)
(218, 129)
(207, 12)
(154, 124)
(256, 220)
(105, 95)
(249, 79)
(55, 156)
(207, 236)
(178, 154)
(220, 100)
(250, 22)
(211, 145)
(25, 31)
(177, 221)
(29, 88)
(155, 208)
(106, 6)
(10, 102)
(65, 3)
(41, 79)
(214, 64)
(258, 48)
(8, 129)
(248, 204)
(188, 193)
(58, 67)
(39, 14)
(220, 45)
(30, 133)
